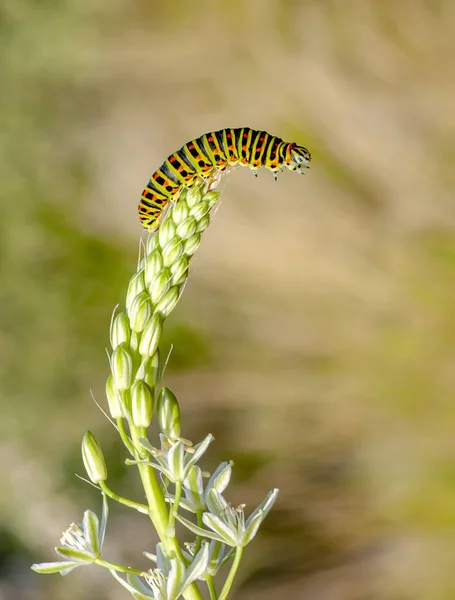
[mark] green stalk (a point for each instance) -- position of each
(232, 573)
(142, 508)
(119, 568)
(159, 515)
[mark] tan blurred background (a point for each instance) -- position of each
(316, 337)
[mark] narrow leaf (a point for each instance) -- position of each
(199, 565)
(80, 556)
(228, 535)
(198, 530)
(175, 579)
(252, 528)
(91, 527)
(54, 567)
(199, 450)
(264, 506)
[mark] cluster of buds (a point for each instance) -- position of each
(134, 395)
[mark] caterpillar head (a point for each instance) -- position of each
(297, 158)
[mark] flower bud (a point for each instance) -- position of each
(179, 270)
(93, 458)
(151, 336)
(200, 210)
(187, 228)
(140, 311)
(135, 287)
(166, 304)
(194, 195)
(120, 330)
(151, 243)
(152, 371)
(160, 285)
(153, 265)
(211, 197)
(122, 367)
(115, 408)
(172, 251)
(203, 223)
(192, 243)
(180, 212)
(166, 232)
(141, 404)
(168, 414)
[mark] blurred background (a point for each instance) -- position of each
(316, 336)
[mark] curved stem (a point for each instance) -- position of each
(142, 508)
(120, 568)
(232, 573)
(123, 434)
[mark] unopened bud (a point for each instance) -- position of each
(168, 414)
(151, 244)
(120, 330)
(200, 210)
(115, 408)
(151, 336)
(166, 304)
(166, 232)
(93, 458)
(172, 251)
(179, 270)
(160, 285)
(135, 287)
(153, 265)
(180, 212)
(203, 223)
(187, 228)
(122, 367)
(152, 371)
(192, 243)
(140, 311)
(194, 195)
(141, 404)
(212, 197)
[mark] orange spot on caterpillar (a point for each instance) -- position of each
(245, 135)
(191, 146)
(172, 159)
(210, 139)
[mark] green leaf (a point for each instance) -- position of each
(54, 567)
(82, 557)
(198, 530)
(225, 533)
(91, 527)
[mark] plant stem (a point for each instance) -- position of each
(142, 508)
(120, 568)
(174, 508)
(123, 434)
(232, 573)
(211, 586)
(158, 512)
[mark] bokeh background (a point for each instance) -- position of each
(316, 336)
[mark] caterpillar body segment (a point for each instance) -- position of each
(213, 153)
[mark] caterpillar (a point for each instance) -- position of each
(216, 151)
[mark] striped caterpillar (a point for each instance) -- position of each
(216, 151)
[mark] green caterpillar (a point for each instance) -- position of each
(217, 150)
